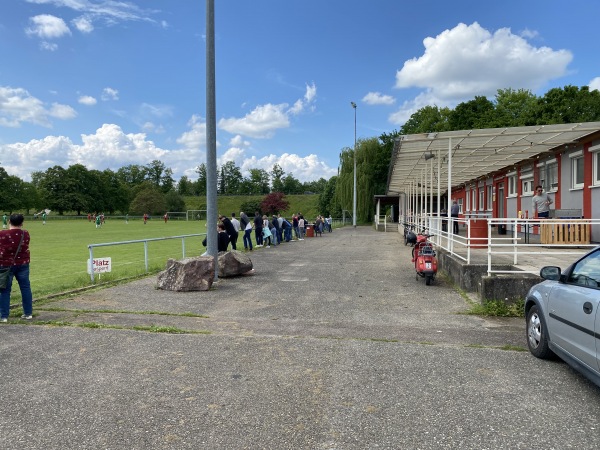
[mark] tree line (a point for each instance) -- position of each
(136, 189)
(151, 188)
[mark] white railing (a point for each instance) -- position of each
(381, 219)
(526, 242)
(139, 241)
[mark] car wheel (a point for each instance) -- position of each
(537, 334)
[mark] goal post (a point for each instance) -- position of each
(196, 214)
(177, 215)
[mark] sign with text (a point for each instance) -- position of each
(100, 265)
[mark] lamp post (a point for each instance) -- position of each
(354, 191)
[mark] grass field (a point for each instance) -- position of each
(59, 250)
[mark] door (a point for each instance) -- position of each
(573, 310)
(500, 201)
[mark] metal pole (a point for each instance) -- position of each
(211, 138)
(354, 196)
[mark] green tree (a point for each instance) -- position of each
(11, 191)
(513, 108)
(201, 182)
(230, 179)
(568, 105)
(327, 203)
(174, 201)
(117, 193)
(185, 186)
(150, 200)
(429, 119)
(292, 185)
(53, 186)
(259, 180)
(471, 114)
(132, 175)
(276, 178)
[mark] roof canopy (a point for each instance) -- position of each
(477, 153)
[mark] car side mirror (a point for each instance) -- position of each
(550, 273)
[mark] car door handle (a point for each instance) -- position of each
(587, 308)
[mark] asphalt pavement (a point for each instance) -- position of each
(331, 344)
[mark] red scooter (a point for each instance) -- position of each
(423, 255)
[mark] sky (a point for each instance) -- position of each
(108, 83)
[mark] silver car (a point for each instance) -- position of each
(562, 315)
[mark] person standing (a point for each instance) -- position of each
(14, 254)
(230, 230)
(237, 227)
(541, 203)
(248, 236)
(301, 227)
(166, 217)
(98, 221)
(258, 229)
(145, 218)
(454, 211)
(44, 218)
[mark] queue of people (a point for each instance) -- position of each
(268, 231)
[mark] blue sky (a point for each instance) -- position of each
(107, 84)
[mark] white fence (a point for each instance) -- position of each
(527, 242)
(141, 241)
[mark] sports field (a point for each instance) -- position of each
(59, 250)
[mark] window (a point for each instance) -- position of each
(512, 185)
(577, 171)
(548, 176)
(527, 187)
(587, 271)
(595, 150)
(474, 199)
(489, 189)
(481, 199)
(460, 205)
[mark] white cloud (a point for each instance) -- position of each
(376, 98)
(409, 107)
(110, 94)
(87, 100)
(17, 106)
(264, 120)
(305, 168)
(49, 46)
(195, 138)
(46, 26)
(595, 84)
(260, 123)
(62, 111)
(468, 60)
(83, 24)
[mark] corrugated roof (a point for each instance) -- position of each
(477, 153)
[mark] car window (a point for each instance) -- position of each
(587, 271)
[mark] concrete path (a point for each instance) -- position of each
(332, 344)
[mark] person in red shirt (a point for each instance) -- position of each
(17, 259)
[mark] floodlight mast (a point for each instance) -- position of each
(354, 172)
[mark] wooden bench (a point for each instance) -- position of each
(565, 231)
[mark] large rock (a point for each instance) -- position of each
(188, 274)
(234, 263)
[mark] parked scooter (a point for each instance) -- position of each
(423, 255)
(410, 238)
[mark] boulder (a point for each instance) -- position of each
(188, 274)
(233, 263)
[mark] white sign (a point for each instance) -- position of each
(101, 265)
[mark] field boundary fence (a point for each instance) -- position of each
(91, 247)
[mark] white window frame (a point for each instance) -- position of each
(595, 151)
(460, 205)
(576, 159)
(490, 204)
(474, 199)
(548, 175)
(511, 181)
(482, 199)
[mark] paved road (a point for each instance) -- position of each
(332, 344)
